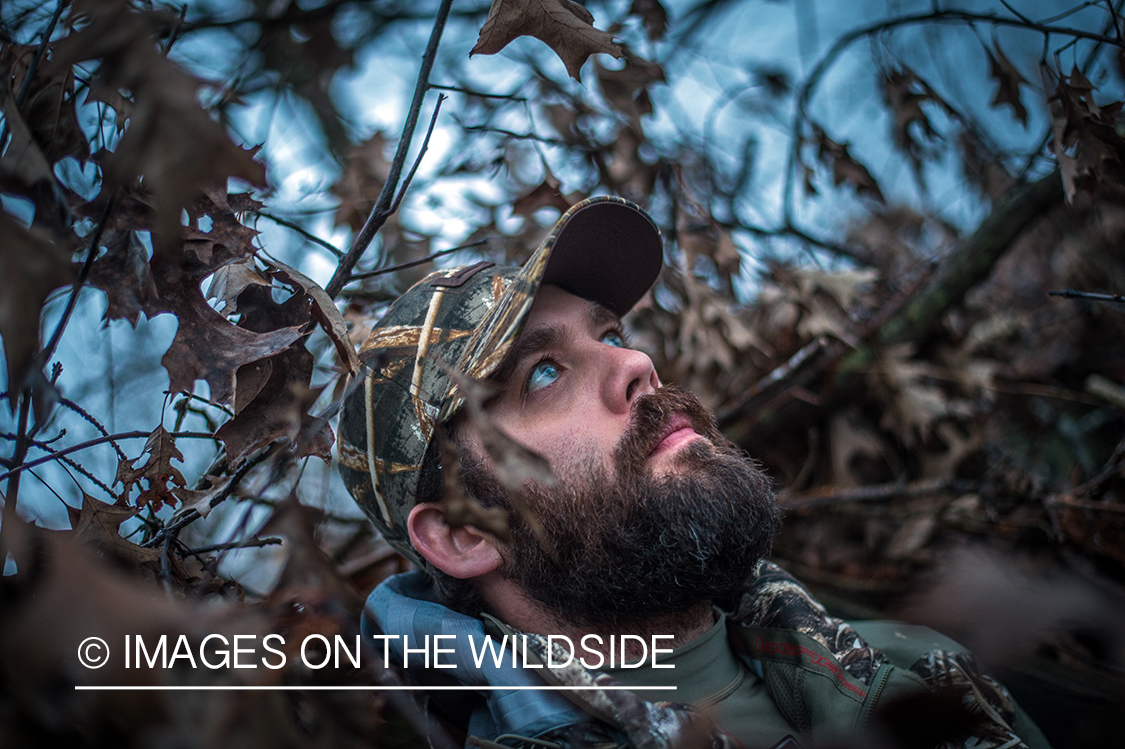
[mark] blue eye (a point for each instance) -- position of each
(614, 338)
(542, 374)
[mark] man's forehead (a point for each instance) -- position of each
(554, 313)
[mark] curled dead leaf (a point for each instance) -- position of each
(564, 25)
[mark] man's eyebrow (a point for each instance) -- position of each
(530, 342)
(598, 317)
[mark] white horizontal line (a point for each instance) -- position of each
(290, 688)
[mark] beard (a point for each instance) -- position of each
(620, 550)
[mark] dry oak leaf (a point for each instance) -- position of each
(157, 470)
(272, 396)
(48, 106)
(123, 274)
(564, 25)
(1009, 79)
(99, 524)
(324, 312)
(170, 141)
(844, 166)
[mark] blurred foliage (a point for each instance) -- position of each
(888, 351)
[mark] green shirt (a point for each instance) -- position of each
(709, 676)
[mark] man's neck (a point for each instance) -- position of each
(511, 605)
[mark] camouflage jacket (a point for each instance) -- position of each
(821, 672)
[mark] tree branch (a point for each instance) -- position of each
(384, 206)
(19, 466)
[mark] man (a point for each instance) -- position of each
(640, 549)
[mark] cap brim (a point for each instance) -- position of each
(604, 249)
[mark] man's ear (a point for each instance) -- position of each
(463, 552)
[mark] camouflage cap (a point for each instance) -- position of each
(604, 249)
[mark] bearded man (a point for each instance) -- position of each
(647, 537)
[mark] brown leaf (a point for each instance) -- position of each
(170, 140)
(844, 167)
(48, 107)
(32, 267)
(1008, 78)
(324, 312)
(308, 571)
(1090, 152)
(905, 93)
(229, 281)
(564, 25)
(99, 524)
(157, 470)
(627, 172)
(207, 346)
(123, 274)
(278, 408)
(513, 463)
(653, 16)
(23, 167)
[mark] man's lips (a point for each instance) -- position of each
(674, 433)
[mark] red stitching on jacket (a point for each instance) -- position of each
(762, 645)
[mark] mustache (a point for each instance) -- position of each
(651, 414)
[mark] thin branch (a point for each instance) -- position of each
(79, 282)
(829, 495)
(481, 94)
(76, 466)
(97, 425)
(10, 518)
(249, 543)
(1093, 296)
(420, 261)
(421, 153)
(190, 516)
(383, 207)
(515, 135)
(39, 52)
(20, 466)
(302, 231)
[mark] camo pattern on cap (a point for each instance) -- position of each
(464, 319)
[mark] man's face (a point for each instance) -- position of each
(654, 511)
(569, 386)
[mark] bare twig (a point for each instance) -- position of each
(481, 94)
(97, 425)
(420, 261)
(20, 466)
(302, 231)
(384, 205)
(190, 516)
(421, 153)
(248, 543)
(39, 53)
(79, 282)
(76, 466)
(829, 495)
(780, 374)
(1093, 296)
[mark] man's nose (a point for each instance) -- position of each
(631, 375)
